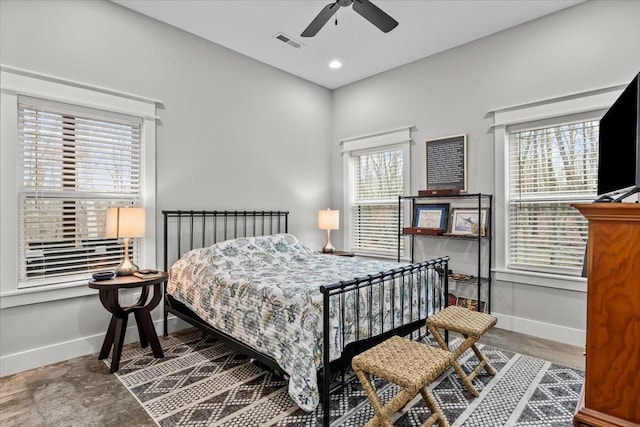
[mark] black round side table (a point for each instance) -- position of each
(108, 291)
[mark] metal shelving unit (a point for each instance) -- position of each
(484, 201)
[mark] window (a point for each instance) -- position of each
(77, 162)
(545, 160)
(378, 183)
(378, 173)
(68, 150)
(551, 166)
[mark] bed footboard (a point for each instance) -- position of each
(388, 312)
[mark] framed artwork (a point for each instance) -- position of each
(447, 163)
(431, 216)
(452, 299)
(466, 221)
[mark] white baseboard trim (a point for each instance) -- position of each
(42, 356)
(539, 329)
(37, 357)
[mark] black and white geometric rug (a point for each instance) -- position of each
(202, 382)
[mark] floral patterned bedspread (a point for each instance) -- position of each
(264, 291)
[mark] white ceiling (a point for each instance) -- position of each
(426, 27)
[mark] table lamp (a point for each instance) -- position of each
(125, 223)
(328, 220)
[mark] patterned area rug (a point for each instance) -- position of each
(202, 382)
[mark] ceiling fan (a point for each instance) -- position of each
(364, 8)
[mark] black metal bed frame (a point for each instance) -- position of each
(205, 227)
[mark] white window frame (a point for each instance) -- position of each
(394, 139)
(17, 82)
(592, 103)
(564, 199)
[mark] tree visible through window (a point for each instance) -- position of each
(75, 165)
(379, 180)
(551, 167)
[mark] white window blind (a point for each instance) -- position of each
(551, 167)
(76, 162)
(378, 181)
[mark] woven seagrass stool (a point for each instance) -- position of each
(472, 325)
(412, 366)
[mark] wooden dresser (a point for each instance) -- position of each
(611, 391)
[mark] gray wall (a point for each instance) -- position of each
(586, 47)
(234, 133)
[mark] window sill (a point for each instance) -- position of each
(36, 295)
(576, 284)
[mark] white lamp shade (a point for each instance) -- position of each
(328, 219)
(125, 222)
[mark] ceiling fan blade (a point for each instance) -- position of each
(319, 21)
(375, 15)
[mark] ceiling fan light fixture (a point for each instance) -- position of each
(335, 64)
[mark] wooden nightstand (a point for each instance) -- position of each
(108, 291)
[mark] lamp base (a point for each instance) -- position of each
(126, 267)
(328, 247)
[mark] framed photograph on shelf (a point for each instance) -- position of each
(452, 299)
(431, 216)
(466, 221)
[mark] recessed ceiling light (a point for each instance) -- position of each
(335, 64)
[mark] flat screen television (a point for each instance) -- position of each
(619, 145)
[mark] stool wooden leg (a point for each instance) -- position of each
(373, 398)
(468, 342)
(436, 334)
(465, 379)
(483, 361)
(382, 413)
(436, 413)
(398, 402)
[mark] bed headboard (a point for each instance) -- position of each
(186, 230)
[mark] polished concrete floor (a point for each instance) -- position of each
(82, 392)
